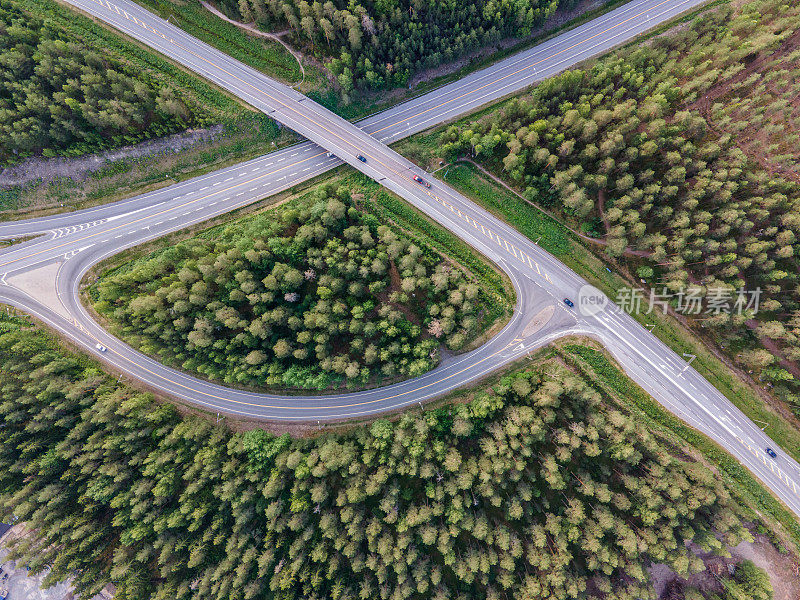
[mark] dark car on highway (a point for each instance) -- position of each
(771, 452)
(361, 158)
(569, 302)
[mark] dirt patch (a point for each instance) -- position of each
(601, 208)
(755, 140)
(48, 169)
(783, 570)
(601, 200)
(394, 278)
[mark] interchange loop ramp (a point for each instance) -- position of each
(539, 279)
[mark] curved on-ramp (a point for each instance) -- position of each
(539, 279)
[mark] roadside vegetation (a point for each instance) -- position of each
(437, 48)
(650, 152)
(747, 582)
(586, 258)
(235, 140)
(594, 364)
(245, 135)
(381, 45)
(69, 88)
(266, 55)
(313, 294)
(538, 486)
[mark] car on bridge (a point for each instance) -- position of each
(361, 158)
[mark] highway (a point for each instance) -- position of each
(43, 276)
(284, 168)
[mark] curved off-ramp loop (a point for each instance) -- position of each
(67, 315)
(130, 222)
(539, 279)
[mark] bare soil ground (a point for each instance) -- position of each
(47, 169)
(600, 204)
(783, 569)
(22, 585)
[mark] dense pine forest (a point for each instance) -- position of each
(313, 293)
(64, 92)
(536, 488)
(382, 44)
(682, 149)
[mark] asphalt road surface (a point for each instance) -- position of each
(285, 168)
(79, 240)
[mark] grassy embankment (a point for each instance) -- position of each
(245, 134)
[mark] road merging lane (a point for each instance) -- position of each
(538, 277)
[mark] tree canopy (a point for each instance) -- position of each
(535, 488)
(61, 95)
(658, 150)
(309, 294)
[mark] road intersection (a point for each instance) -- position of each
(76, 241)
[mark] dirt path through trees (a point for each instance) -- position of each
(737, 85)
(583, 236)
(251, 28)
